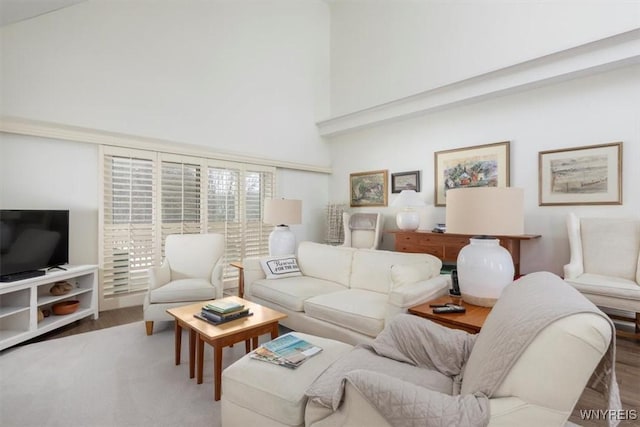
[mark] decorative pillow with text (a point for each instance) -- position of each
(279, 267)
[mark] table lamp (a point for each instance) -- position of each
(484, 267)
(282, 213)
(408, 218)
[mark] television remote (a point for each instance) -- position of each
(450, 309)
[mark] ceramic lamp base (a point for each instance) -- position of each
(408, 220)
(282, 241)
(484, 269)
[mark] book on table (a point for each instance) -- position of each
(223, 306)
(217, 319)
(288, 350)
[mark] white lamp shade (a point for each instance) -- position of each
(408, 198)
(492, 211)
(282, 211)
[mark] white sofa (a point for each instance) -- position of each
(346, 294)
(547, 374)
(605, 264)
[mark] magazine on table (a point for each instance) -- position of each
(288, 350)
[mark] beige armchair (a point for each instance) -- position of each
(362, 230)
(604, 265)
(191, 271)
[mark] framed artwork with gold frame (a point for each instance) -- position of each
(478, 166)
(368, 188)
(587, 175)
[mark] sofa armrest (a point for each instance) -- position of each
(576, 265)
(252, 272)
(159, 276)
(403, 297)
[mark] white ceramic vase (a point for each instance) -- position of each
(484, 269)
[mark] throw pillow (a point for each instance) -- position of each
(406, 274)
(279, 267)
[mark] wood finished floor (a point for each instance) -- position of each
(627, 364)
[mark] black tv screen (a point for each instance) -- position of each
(32, 240)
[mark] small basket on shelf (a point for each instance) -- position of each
(65, 307)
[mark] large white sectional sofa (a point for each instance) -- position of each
(344, 293)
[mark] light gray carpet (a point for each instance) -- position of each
(112, 377)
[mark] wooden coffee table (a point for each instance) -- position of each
(264, 320)
(470, 321)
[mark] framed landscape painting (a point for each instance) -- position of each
(368, 188)
(478, 166)
(405, 181)
(589, 175)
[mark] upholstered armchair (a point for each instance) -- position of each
(605, 265)
(191, 271)
(362, 230)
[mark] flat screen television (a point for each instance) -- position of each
(32, 241)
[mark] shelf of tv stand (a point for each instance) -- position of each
(20, 301)
(446, 246)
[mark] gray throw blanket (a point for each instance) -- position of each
(524, 309)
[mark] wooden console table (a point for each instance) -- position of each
(446, 246)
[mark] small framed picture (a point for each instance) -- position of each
(405, 181)
(368, 188)
(588, 175)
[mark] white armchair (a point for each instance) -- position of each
(362, 230)
(191, 271)
(605, 264)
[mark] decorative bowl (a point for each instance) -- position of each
(65, 307)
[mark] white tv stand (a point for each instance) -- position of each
(20, 301)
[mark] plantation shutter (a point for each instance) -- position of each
(147, 196)
(235, 203)
(181, 199)
(128, 219)
(258, 186)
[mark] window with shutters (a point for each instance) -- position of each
(128, 222)
(148, 196)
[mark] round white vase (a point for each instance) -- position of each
(282, 241)
(408, 220)
(484, 269)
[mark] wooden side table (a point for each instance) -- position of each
(470, 321)
(240, 267)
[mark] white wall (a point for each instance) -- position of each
(594, 110)
(388, 49)
(38, 173)
(248, 76)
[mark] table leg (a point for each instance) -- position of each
(217, 371)
(274, 331)
(178, 341)
(247, 346)
(192, 352)
(254, 342)
(199, 358)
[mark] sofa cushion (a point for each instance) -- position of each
(610, 246)
(606, 286)
(332, 263)
(356, 309)
(183, 290)
(371, 269)
(407, 274)
(291, 292)
(279, 267)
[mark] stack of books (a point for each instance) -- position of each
(288, 350)
(222, 311)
